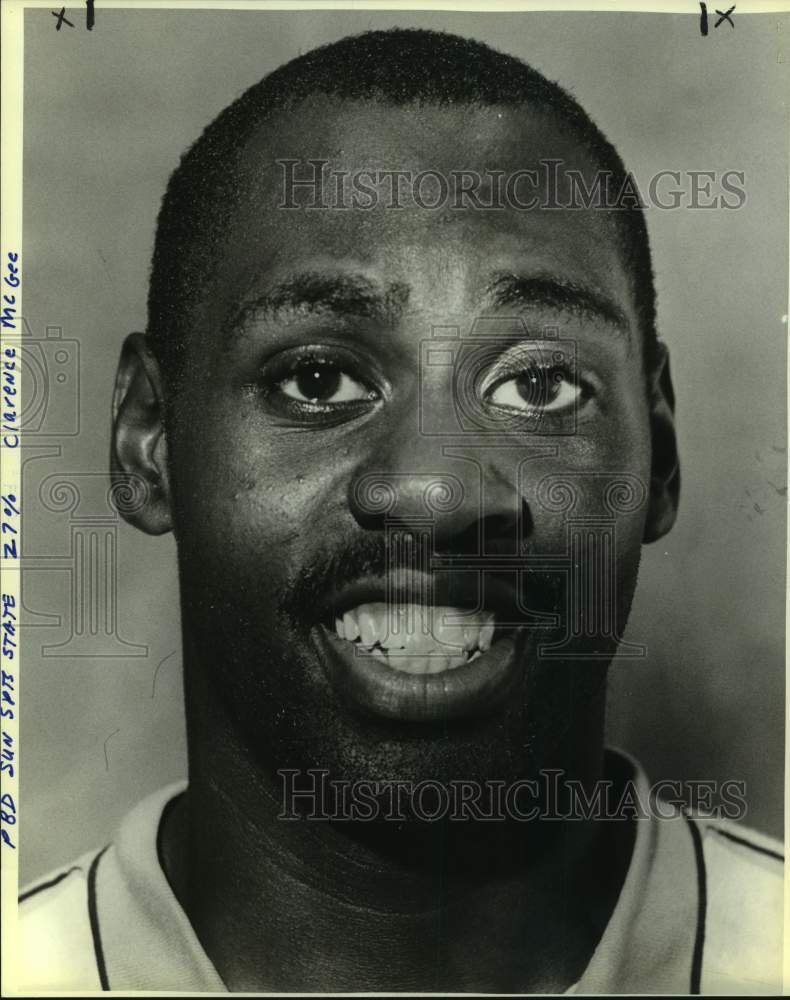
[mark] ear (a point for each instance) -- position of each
(138, 459)
(664, 469)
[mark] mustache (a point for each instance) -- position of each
(303, 600)
(367, 555)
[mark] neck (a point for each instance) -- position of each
(314, 905)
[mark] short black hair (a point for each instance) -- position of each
(399, 67)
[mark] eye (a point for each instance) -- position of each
(323, 382)
(548, 390)
(319, 385)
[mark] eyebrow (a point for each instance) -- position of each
(342, 294)
(356, 295)
(557, 295)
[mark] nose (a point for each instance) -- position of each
(411, 479)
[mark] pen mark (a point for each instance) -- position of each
(156, 672)
(61, 19)
(106, 759)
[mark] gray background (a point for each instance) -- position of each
(107, 115)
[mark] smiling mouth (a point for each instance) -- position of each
(420, 662)
(417, 639)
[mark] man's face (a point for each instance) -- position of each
(396, 455)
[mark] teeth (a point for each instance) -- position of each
(350, 627)
(435, 663)
(486, 635)
(471, 637)
(369, 631)
(418, 638)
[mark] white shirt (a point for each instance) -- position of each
(700, 910)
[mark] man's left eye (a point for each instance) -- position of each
(546, 389)
(323, 382)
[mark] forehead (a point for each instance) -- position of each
(442, 246)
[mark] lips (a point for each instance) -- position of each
(419, 661)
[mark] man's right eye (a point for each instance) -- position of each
(318, 383)
(324, 382)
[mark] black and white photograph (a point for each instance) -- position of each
(394, 440)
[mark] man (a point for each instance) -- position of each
(410, 434)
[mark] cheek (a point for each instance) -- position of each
(626, 458)
(598, 476)
(246, 501)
